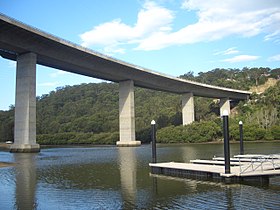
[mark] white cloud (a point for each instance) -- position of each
(48, 84)
(107, 34)
(229, 51)
(216, 20)
(241, 58)
(274, 58)
(151, 19)
(219, 19)
(57, 73)
(112, 49)
(12, 64)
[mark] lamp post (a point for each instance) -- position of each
(226, 142)
(154, 150)
(241, 137)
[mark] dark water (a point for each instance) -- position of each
(118, 178)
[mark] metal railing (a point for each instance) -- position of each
(258, 162)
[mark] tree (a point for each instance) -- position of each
(188, 76)
(87, 113)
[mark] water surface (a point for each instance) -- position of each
(119, 178)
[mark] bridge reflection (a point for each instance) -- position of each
(26, 180)
(127, 163)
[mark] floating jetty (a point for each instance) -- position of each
(250, 167)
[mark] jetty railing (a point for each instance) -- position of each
(258, 162)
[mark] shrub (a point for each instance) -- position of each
(55, 139)
(195, 132)
(169, 134)
(275, 131)
(78, 138)
(268, 136)
(253, 132)
(144, 135)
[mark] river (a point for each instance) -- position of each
(119, 178)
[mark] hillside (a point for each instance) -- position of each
(88, 113)
(262, 88)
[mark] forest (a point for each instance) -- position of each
(88, 113)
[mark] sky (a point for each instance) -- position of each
(168, 36)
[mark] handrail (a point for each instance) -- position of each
(258, 161)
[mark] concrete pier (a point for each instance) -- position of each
(25, 106)
(187, 108)
(224, 105)
(127, 114)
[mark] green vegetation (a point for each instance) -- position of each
(88, 113)
(203, 131)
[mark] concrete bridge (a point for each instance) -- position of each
(29, 46)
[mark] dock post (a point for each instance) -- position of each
(154, 150)
(226, 142)
(241, 137)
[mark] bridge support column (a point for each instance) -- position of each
(127, 115)
(25, 106)
(187, 108)
(224, 105)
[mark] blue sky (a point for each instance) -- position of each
(168, 36)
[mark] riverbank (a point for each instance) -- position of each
(5, 146)
(235, 142)
(5, 164)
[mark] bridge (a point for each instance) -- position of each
(29, 46)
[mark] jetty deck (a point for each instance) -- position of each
(243, 168)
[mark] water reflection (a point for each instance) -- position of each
(188, 152)
(185, 193)
(127, 164)
(229, 197)
(25, 180)
(201, 151)
(119, 178)
(155, 185)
